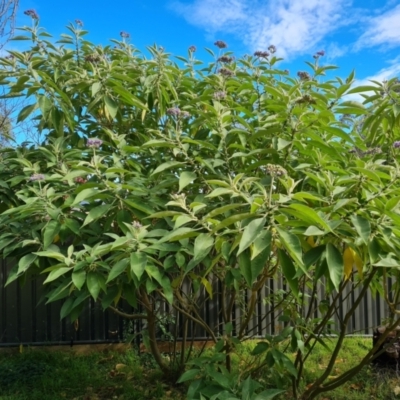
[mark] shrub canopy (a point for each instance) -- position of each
(159, 176)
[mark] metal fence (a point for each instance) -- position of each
(23, 321)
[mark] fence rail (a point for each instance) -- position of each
(24, 321)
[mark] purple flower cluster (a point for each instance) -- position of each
(79, 22)
(177, 112)
(94, 143)
(220, 44)
(369, 152)
(32, 13)
(272, 49)
(226, 72)
(94, 58)
(124, 35)
(396, 144)
(274, 170)
(219, 95)
(225, 59)
(261, 54)
(304, 76)
(321, 53)
(192, 49)
(37, 177)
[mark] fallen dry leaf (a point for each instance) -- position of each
(120, 367)
(356, 386)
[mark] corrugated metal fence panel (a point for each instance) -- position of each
(22, 320)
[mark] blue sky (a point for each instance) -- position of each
(362, 34)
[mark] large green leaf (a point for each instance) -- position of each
(245, 267)
(118, 269)
(50, 232)
(85, 194)
(93, 283)
(185, 179)
(335, 263)
(250, 233)
(289, 271)
(179, 234)
(167, 165)
(311, 214)
(202, 246)
(263, 241)
(79, 278)
(56, 273)
(138, 262)
(293, 246)
(96, 213)
(25, 262)
(363, 227)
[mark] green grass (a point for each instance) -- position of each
(42, 375)
(370, 383)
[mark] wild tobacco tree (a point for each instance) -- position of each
(163, 182)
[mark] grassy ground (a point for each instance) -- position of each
(39, 375)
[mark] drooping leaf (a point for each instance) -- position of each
(118, 269)
(50, 232)
(245, 267)
(363, 227)
(335, 264)
(93, 284)
(292, 245)
(79, 278)
(262, 242)
(138, 262)
(185, 179)
(289, 271)
(56, 273)
(348, 260)
(96, 213)
(25, 262)
(250, 233)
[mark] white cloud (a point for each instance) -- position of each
(392, 71)
(383, 29)
(293, 26)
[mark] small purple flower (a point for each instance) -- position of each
(192, 49)
(261, 54)
(178, 113)
(272, 49)
(79, 22)
(226, 72)
(321, 53)
(37, 177)
(220, 44)
(94, 143)
(225, 59)
(32, 13)
(124, 35)
(396, 144)
(185, 114)
(286, 71)
(219, 95)
(304, 76)
(94, 58)
(174, 112)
